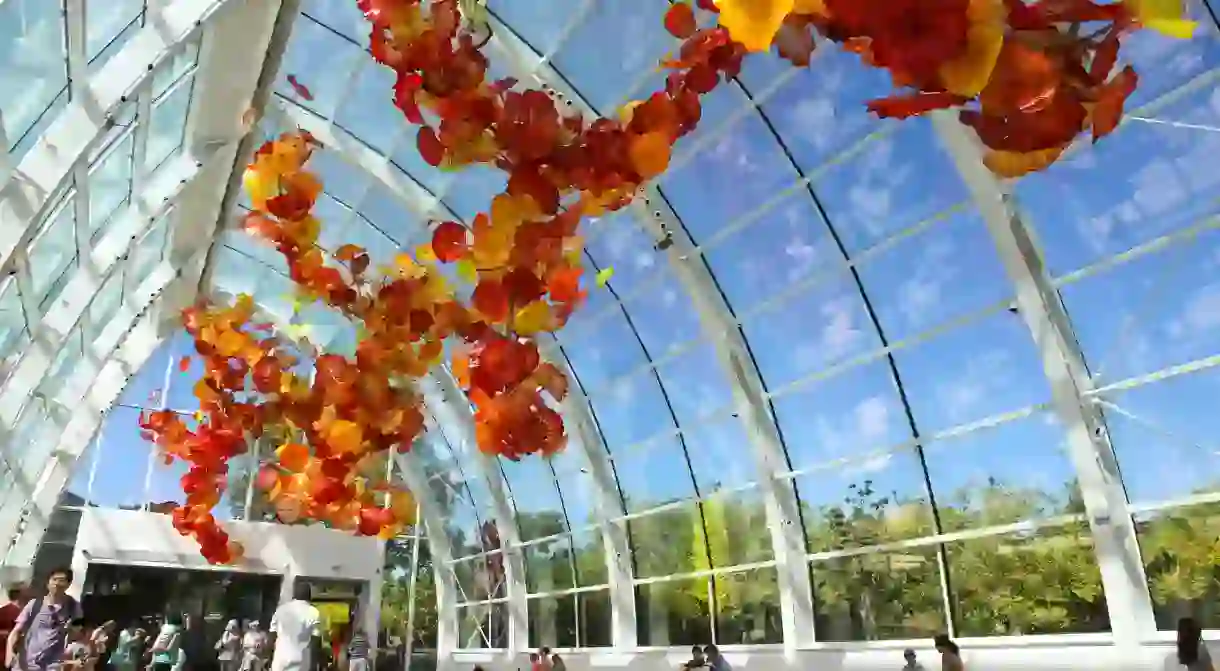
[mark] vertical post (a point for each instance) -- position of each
(1118, 556)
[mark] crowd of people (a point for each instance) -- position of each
(48, 633)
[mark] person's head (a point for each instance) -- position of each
(533, 658)
(544, 653)
(76, 629)
(1190, 635)
(173, 619)
(300, 591)
(253, 625)
(944, 644)
(711, 652)
(59, 580)
(231, 626)
(909, 655)
(557, 661)
(15, 594)
(109, 626)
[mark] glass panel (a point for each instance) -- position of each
(552, 622)
(147, 253)
(747, 608)
(548, 566)
(668, 542)
(595, 618)
(168, 125)
(104, 22)
(590, 552)
(123, 461)
(880, 500)
(1041, 582)
(64, 365)
(674, 613)
(12, 317)
(737, 529)
(54, 249)
(105, 304)
(880, 596)
(169, 72)
(33, 63)
(120, 39)
(110, 183)
(1178, 548)
(1015, 471)
(483, 626)
(480, 578)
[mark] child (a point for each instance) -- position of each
(79, 654)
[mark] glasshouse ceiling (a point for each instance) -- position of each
(808, 296)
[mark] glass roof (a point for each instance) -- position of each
(916, 420)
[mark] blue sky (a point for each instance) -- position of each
(784, 277)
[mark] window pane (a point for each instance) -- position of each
(674, 613)
(552, 622)
(737, 529)
(747, 607)
(480, 578)
(665, 542)
(1043, 582)
(878, 596)
(548, 566)
(483, 626)
(594, 615)
(590, 559)
(1182, 564)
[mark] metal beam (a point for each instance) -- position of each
(127, 341)
(441, 392)
(442, 557)
(608, 506)
(107, 257)
(720, 327)
(45, 170)
(1039, 304)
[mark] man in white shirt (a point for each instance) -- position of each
(297, 629)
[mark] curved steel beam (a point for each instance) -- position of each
(721, 328)
(1122, 572)
(128, 340)
(441, 392)
(107, 257)
(28, 189)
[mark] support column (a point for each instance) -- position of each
(1039, 304)
(445, 398)
(608, 501)
(720, 327)
(442, 557)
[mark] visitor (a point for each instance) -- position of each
(8, 618)
(101, 641)
(715, 660)
(297, 628)
(40, 633)
(557, 663)
(253, 647)
(79, 654)
(1192, 652)
(127, 650)
(228, 647)
(534, 666)
(697, 660)
(911, 664)
(358, 651)
(950, 654)
(168, 644)
(544, 658)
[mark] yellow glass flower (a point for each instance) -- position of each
(754, 23)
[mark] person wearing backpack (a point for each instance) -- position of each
(167, 648)
(40, 634)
